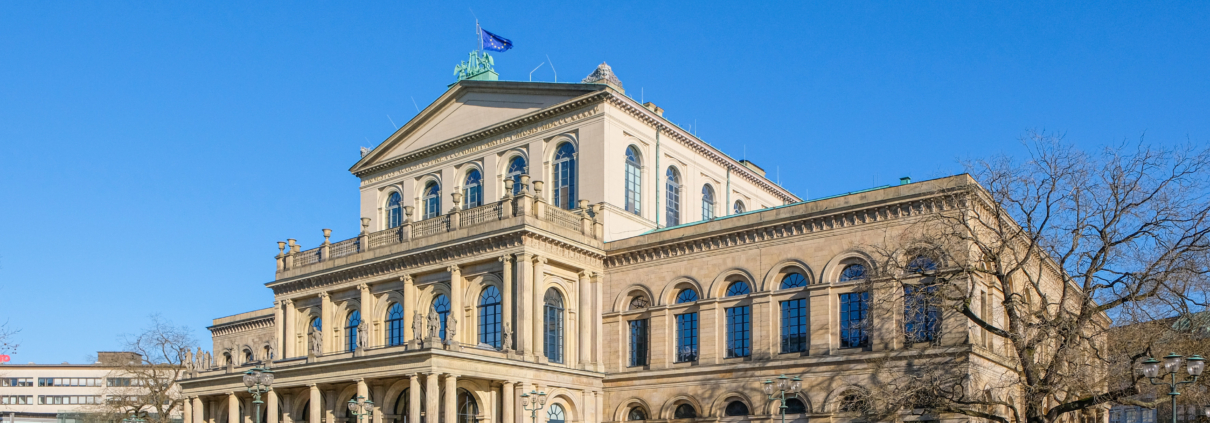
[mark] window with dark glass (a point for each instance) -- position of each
(468, 408)
(565, 176)
(707, 202)
(489, 316)
(853, 309)
(739, 331)
(794, 326)
(402, 405)
(686, 296)
(394, 210)
(395, 324)
(556, 414)
(472, 190)
(516, 168)
(921, 264)
(921, 316)
(636, 413)
(432, 200)
(852, 401)
(793, 280)
(686, 337)
(739, 207)
(684, 411)
(738, 288)
(852, 272)
(638, 302)
(736, 408)
(634, 180)
(441, 306)
(351, 329)
(673, 195)
(553, 326)
(795, 406)
(638, 342)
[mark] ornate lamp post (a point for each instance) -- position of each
(1172, 364)
(784, 385)
(360, 406)
(258, 380)
(533, 402)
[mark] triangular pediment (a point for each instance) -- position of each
(470, 106)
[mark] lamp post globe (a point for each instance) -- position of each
(1151, 368)
(1195, 364)
(778, 392)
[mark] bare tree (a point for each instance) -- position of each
(1039, 260)
(144, 382)
(7, 343)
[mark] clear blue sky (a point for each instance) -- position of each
(151, 154)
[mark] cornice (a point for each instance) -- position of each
(245, 325)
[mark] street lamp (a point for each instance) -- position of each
(360, 406)
(533, 399)
(784, 385)
(258, 381)
(1172, 364)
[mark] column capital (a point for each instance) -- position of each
(506, 259)
(287, 302)
(312, 385)
(453, 268)
(452, 375)
(524, 256)
(585, 274)
(406, 278)
(323, 295)
(539, 259)
(363, 287)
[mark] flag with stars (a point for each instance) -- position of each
(494, 42)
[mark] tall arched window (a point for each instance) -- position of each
(795, 406)
(707, 202)
(516, 168)
(556, 414)
(468, 408)
(432, 200)
(565, 176)
(553, 327)
(394, 210)
(489, 317)
(395, 324)
(351, 329)
(739, 207)
(634, 180)
(686, 295)
(402, 405)
(852, 272)
(441, 306)
(686, 328)
(673, 190)
(317, 323)
(739, 323)
(738, 288)
(793, 280)
(472, 190)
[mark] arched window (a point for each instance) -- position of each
(565, 176)
(634, 180)
(638, 302)
(921, 264)
(851, 401)
(736, 408)
(248, 357)
(739, 207)
(351, 329)
(738, 288)
(553, 326)
(306, 412)
(468, 408)
(793, 280)
(516, 168)
(317, 324)
(686, 295)
(489, 317)
(684, 411)
(556, 414)
(472, 190)
(707, 202)
(395, 324)
(852, 272)
(432, 200)
(636, 413)
(673, 194)
(402, 405)
(795, 406)
(441, 306)
(394, 210)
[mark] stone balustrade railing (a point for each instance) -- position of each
(584, 220)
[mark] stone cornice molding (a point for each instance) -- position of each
(242, 326)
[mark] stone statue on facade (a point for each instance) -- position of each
(451, 329)
(434, 326)
(508, 336)
(314, 342)
(362, 335)
(199, 359)
(418, 326)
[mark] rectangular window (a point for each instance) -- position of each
(638, 342)
(739, 331)
(853, 309)
(68, 381)
(16, 399)
(17, 382)
(118, 382)
(921, 316)
(794, 326)
(68, 399)
(686, 337)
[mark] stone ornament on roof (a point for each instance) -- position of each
(603, 75)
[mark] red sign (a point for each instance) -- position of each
(4, 358)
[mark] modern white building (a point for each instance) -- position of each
(44, 393)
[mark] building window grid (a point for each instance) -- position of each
(738, 288)
(17, 382)
(707, 202)
(794, 326)
(739, 331)
(739, 207)
(489, 317)
(67, 381)
(921, 316)
(395, 325)
(686, 296)
(793, 280)
(854, 307)
(852, 272)
(516, 168)
(553, 339)
(673, 190)
(565, 177)
(686, 337)
(16, 399)
(351, 329)
(68, 399)
(441, 305)
(394, 210)
(432, 200)
(472, 190)
(638, 342)
(634, 184)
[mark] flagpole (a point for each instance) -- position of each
(479, 34)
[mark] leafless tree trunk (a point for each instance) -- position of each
(146, 386)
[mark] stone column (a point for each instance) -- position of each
(367, 312)
(584, 318)
(598, 323)
(409, 310)
(278, 331)
(414, 398)
(538, 338)
(451, 398)
(325, 320)
(600, 398)
(250, 411)
(291, 336)
(271, 407)
(377, 393)
(525, 311)
(199, 409)
(232, 408)
(313, 408)
(186, 410)
(456, 311)
(507, 302)
(507, 400)
(330, 406)
(432, 399)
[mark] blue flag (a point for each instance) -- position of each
(494, 42)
